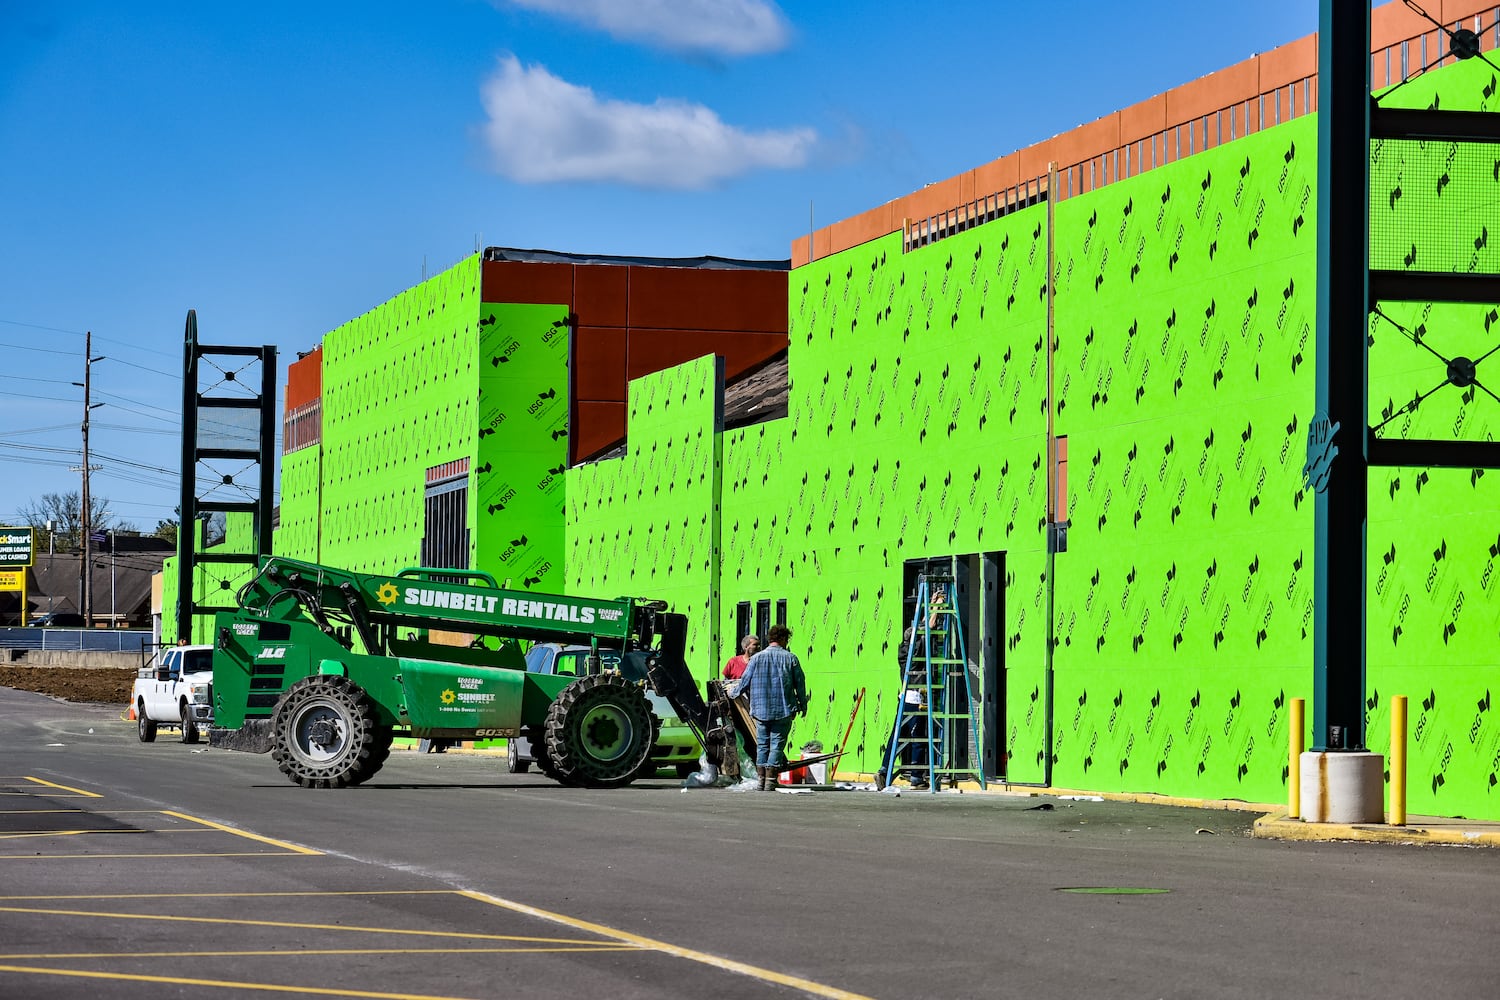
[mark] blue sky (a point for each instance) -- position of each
(284, 167)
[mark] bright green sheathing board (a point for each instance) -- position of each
(1185, 323)
(642, 525)
(916, 430)
(297, 534)
(400, 395)
(522, 445)
(1185, 310)
(1433, 607)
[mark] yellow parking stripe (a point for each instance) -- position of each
(75, 791)
(342, 928)
(76, 833)
(715, 961)
(225, 984)
(118, 857)
(39, 812)
(284, 953)
(241, 833)
(237, 895)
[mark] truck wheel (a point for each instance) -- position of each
(599, 731)
(513, 762)
(145, 729)
(326, 733)
(189, 727)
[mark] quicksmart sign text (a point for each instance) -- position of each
(16, 546)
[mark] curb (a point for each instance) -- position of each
(1278, 826)
(1274, 825)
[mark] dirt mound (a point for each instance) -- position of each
(107, 685)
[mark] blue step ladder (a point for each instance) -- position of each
(935, 725)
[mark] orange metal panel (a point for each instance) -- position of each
(1396, 22)
(304, 379)
(800, 250)
(1463, 10)
(1086, 141)
(861, 228)
(1288, 63)
(600, 294)
(1143, 119)
(687, 298)
(655, 350)
(1032, 161)
(519, 281)
(966, 192)
(1214, 91)
(934, 199)
(996, 175)
(596, 427)
(600, 364)
(822, 244)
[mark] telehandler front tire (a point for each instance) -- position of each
(599, 731)
(327, 734)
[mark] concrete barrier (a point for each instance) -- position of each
(70, 659)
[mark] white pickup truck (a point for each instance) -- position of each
(175, 691)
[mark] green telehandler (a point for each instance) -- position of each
(323, 667)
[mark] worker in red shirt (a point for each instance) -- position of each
(734, 667)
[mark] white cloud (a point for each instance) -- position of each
(542, 129)
(723, 27)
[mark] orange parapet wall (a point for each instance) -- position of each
(1264, 90)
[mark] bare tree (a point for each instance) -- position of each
(65, 511)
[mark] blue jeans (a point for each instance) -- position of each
(770, 741)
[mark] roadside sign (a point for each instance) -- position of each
(17, 548)
(12, 579)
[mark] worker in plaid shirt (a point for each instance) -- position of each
(778, 691)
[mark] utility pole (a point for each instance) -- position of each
(86, 589)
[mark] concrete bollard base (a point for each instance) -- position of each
(1342, 787)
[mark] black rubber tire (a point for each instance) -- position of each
(513, 762)
(326, 733)
(189, 725)
(145, 729)
(538, 737)
(600, 731)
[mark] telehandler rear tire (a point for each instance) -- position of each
(599, 731)
(327, 734)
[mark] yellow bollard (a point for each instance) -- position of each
(1294, 772)
(1398, 761)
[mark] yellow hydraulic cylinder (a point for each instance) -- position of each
(1294, 770)
(1398, 761)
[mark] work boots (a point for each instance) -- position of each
(767, 779)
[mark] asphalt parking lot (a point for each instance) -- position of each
(134, 870)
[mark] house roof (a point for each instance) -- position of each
(122, 583)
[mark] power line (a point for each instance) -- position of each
(80, 333)
(39, 350)
(30, 378)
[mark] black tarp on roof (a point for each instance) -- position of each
(559, 257)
